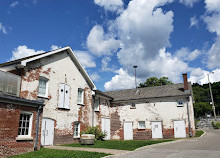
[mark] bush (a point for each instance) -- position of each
(216, 125)
(99, 135)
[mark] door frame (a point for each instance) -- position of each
(46, 118)
(161, 123)
(131, 128)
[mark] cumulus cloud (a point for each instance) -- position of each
(188, 3)
(200, 76)
(121, 81)
(13, 4)
(86, 60)
(23, 51)
(194, 22)
(101, 44)
(105, 64)
(95, 76)
(110, 5)
(213, 25)
(185, 54)
(54, 47)
(3, 29)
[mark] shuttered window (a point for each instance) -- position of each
(64, 95)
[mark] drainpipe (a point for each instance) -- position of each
(37, 127)
(190, 130)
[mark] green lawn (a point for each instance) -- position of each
(119, 144)
(199, 133)
(52, 153)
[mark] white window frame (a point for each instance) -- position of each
(82, 96)
(133, 104)
(46, 90)
(97, 108)
(141, 127)
(78, 126)
(30, 125)
(180, 103)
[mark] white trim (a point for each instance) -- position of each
(21, 137)
(71, 53)
(139, 125)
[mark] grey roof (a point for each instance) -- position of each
(21, 101)
(150, 92)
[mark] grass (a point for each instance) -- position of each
(199, 133)
(119, 144)
(52, 153)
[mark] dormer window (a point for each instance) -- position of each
(180, 103)
(133, 105)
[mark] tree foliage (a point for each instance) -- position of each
(154, 81)
(202, 98)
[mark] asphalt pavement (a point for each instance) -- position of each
(207, 146)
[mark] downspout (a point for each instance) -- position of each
(37, 127)
(190, 130)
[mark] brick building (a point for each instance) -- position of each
(72, 102)
(19, 120)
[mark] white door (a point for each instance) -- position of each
(128, 131)
(47, 132)
(106, 127)
(156, 128)
(179, 129)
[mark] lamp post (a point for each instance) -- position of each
(210, 88)
(135, 67)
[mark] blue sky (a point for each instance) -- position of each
(109, 37)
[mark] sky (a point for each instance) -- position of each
(162, 37)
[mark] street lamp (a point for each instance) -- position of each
(135, 67)
(210, 88)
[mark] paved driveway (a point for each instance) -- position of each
(207, 146)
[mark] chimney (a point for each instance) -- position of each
(186, 87)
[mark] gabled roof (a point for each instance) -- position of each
(23, 62)
(172, 90)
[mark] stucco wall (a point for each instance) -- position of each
(58, 68)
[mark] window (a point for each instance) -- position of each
(141, 125)
(43, 86)
(180, 103)
(133, 105)
(96, 108)
(25, 124)
(64, 96)
(80, 96)
(76, 130)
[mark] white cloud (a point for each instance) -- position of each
(185, 54)
(85, 59)
(121, 81)
(95, 76)
(15, 3)
(23, 51)
(110, 5)
(213, 25)
(54, 47)
(212, 5)
(3, 29)
(105, 64)
(101, 44)
(200, 76)
(193, 22)
(188, 3)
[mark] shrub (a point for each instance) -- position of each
(99, 135)
(216, 125)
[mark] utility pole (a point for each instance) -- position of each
(210, 88)
(135, 67)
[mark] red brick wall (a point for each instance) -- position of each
(168, 133)
(142, 134)
(9, 123)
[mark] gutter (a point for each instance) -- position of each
(37, 128)
(190, 130)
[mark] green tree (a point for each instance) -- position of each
(154, 81)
